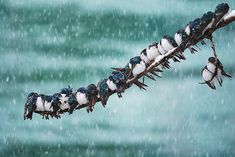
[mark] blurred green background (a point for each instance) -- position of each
(47, 45)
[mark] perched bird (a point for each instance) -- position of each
(92, 96)
(208, 77)
(117, 82)
(143, 56)
(221, 11)
(48, 109)
(55, 105)
(87, 96)
(182, 39)
(65, 93)
(168, 43)
(30, 105)
(59, 102)
(150, 53)
(206, 22)
(161, 49)
(73, 103)
(103, 91)
(137, 65)
(81, 96)
(193, 29)
(220, 69)
(213, 71)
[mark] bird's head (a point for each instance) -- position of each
(207, 17)
(222, 8)
(67, 91)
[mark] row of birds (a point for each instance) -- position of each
(68, 101)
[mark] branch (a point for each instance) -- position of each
(155, 63)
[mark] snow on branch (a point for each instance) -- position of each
(152, 60)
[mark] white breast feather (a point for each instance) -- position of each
(111, 85)
(40, 104)
(187, 30)
(48, 106)
(161, 50)
(166, 45)
(64, 102)
(152, 52)
(139, 68)
(207, 75)
(144, 58)
(211, 67)
(81, 98)
(178, 38)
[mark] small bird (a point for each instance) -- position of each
(208, 77)
(65, 93)
(73, 103)
(30, 105)
(87, 96)
(181, 37)
(48, 109)
(92, 96)
(38, 103)
(214, 63)
(193, 28)
(143, 56)
(161, 49)
(81, 96)
(221, 11)
(206, 22)
(137, 65)
(103, 91)
(213, 71)
(55, 105)
(117, 82)
(150, 53)
(168, 43)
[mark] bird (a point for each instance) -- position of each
(73, 103)
(208, 77)
(87, 96)
(92, 96)
(214, 71)
(38, 103)
(220, 12)
(137, 65)
(150, 53)
(47, 100)
(168, 43)
(181, 37)
(64, 96)
(206, 22)
(81, 96)
(193, 28)
(117, 81)
(215, 64)
(55, 105)
(103, 91)
(144, 57)
(30, 105)
(161, 49)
